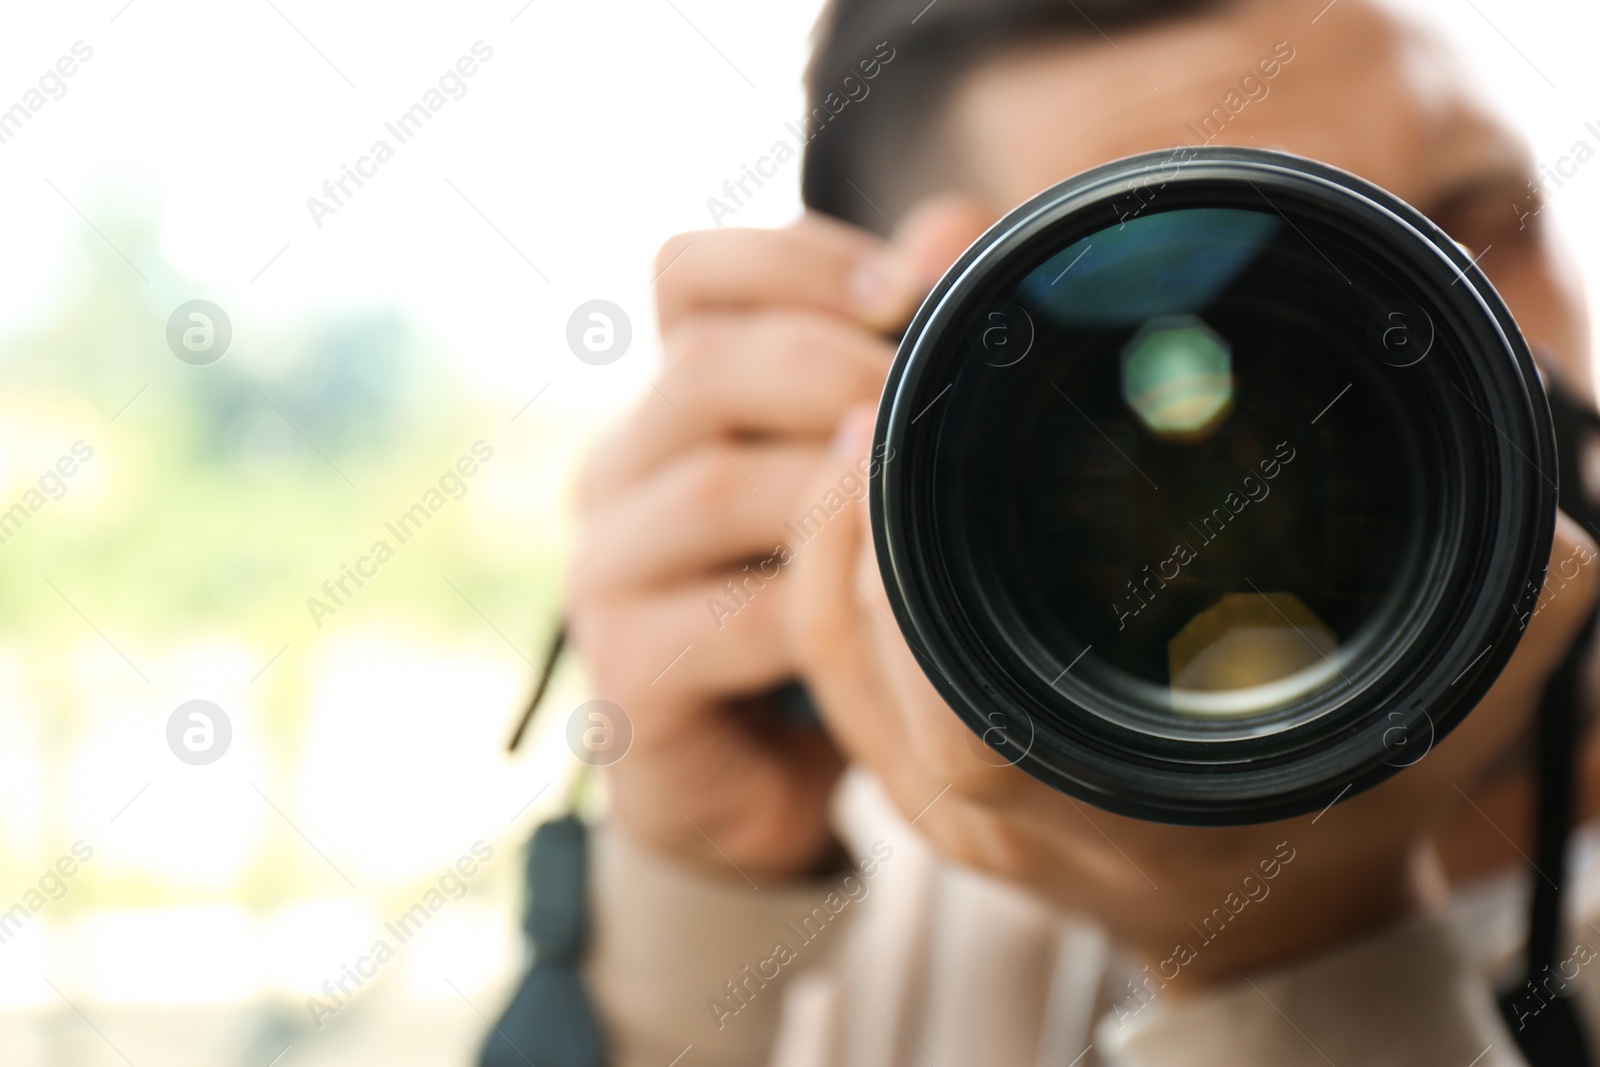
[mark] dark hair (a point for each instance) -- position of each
(867, 164)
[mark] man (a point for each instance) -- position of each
(878, 892)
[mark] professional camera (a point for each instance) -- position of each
(1223, 486)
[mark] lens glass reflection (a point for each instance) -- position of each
(1174, 467)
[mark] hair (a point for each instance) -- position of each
(867, 163)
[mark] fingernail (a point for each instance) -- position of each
(881, 287)
(854, 435)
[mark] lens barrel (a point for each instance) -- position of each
(1217, 485)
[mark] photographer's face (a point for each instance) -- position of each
(1363, 91)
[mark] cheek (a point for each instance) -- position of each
(1539, 284)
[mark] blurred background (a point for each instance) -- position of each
(217, 913)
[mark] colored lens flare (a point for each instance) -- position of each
(1249, 640)
(1177, 375)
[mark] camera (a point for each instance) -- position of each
(1223, 485)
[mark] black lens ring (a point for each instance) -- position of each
(1233, 781)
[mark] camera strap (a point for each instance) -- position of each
(1540, 1011)
(551, 1020)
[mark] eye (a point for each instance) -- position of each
(1504, 215)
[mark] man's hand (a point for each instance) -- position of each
(1355, 867)
(768, 336)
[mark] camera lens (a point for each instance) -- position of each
(1218, 486)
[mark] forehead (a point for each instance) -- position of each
(1359, 88)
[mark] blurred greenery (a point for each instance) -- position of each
(213, 516)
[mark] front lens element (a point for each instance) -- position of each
(1215, 499)
(1209, 490)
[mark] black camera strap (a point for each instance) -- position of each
(551, 1020)
(1540, 1010)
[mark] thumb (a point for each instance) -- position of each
(937, 230)
(930, 238)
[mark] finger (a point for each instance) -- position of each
(741, 374)
(778, 371)
(832, 631)
(827, 623)
(684, 649)
(893, 721)
(938, 739)
(938, 229)
(818, 263)
(698, 513)
(793, 369)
